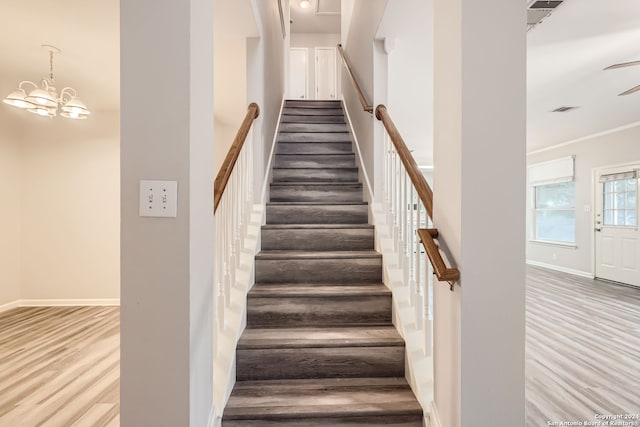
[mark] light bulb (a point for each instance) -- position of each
(42, 112)
(74, 114)
(305, 4)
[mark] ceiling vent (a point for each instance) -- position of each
(563, 109)
(543, 4)
(538, 10)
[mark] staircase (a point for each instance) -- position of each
(319, 348)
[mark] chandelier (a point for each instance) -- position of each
(44, 100)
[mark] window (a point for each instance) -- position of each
(555, 213)
(620, 204)
(553, 201)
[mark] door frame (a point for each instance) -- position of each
(595, 193)
(335, 70)
(306, 71)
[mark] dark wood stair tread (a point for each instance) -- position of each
(320, 337)
(277, 255)
(310, 111)
(316, 226)
(317, 290)
(319, 398)
(313, 127)
(314, 203)
(314, 137)
(311, 103)
(316, 184)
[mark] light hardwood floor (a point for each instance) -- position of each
(59, 366)
(583, 349)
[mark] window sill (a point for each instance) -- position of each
(556, 244)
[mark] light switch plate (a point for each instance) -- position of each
(158, 198)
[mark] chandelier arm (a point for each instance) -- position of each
(27, 82)
(71, 92)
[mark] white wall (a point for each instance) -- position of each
(311, 41)
(479, 138)
(604, 150)
(70, 210)
(346, 12)
(359, 49)
(167, 263)
(61, 181)
(10, 214)
(224, 134)
(230, 89)
(407, 27)
(266, 76)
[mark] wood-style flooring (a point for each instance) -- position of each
(59, 366)
(583, 349)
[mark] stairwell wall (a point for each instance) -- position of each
(359, 49)
(407, 31)
(266, 78)
(10, 214)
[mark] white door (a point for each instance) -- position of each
(617, 239)
(326, 73)
(298, 73)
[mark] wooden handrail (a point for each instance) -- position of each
(427, 236)
(220, 183)
(363, 101)
(417, 178)
(442, 272)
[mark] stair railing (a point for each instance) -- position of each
(233, 198)
(405, 185)
(408, 205)
(363, 101)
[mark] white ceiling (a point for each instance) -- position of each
(566, 56)
(87, 32)
(323, 16)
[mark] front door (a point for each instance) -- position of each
(617, 239)
(326, 73)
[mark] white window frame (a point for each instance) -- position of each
(545, 173)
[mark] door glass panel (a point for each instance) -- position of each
(620, 203)
(608, 216)
(608, 187)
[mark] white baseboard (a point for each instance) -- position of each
(434, 418)
(213, 418)
(580, 273)
(9, 305)
(107, 302)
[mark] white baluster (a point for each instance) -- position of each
(411, 227)
(240, 200)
